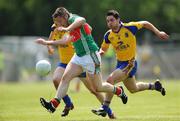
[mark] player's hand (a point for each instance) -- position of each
(162, 35)
(41, 41)
(101, 52)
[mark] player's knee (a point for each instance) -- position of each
(102, 87)
(56, 80)
(99, 89)
(94, 92)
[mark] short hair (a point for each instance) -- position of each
(113, 13)
(60, 11)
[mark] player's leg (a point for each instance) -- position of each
(89, 85)
(101, 87)
(69, 74)
(104, 87)
(114, 78)
(134, 86)
(58, 73)
(120, 74)
(77, 85)
(92, 64)
(124, 69)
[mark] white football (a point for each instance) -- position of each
(43, 67)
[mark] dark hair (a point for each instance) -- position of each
(113, 13)
(61, 11)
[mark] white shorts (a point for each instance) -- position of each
(90, 63)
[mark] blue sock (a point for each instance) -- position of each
(150, 86)
(67, 101)
(107, 109)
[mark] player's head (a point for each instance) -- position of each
(112, 19)
(60, 16)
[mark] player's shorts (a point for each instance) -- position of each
(63, 65)
(90, 62)
(130, 68)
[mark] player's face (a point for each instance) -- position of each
(112, 22)
(60, 21)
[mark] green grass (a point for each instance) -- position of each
(20, 102)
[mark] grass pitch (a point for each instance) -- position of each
(20, 102)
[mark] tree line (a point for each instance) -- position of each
(33, 17)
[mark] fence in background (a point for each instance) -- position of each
(156, 59)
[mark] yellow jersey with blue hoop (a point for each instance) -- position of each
(124, 41)
(65, 51)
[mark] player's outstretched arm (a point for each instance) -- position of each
(65, 39)
(161, 34)
(104, 48)
(77, 23)
(41, 41)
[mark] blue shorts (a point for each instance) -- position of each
(63, 65)
(123, 64)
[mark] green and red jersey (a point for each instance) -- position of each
(83, 41)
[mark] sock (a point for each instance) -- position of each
(117, 91)
(106, 103)
(67, 101)
(55, 102)
(151, 86)
(107, 109)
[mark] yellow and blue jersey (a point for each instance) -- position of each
(124, 41)
(65, 51)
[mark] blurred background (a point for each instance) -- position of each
(23, 21)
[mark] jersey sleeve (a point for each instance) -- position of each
(53, 27)
(136, 24)
(106, 37)
(133, 26)
(104, 45)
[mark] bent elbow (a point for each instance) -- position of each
(82, 20)
(146, 24)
